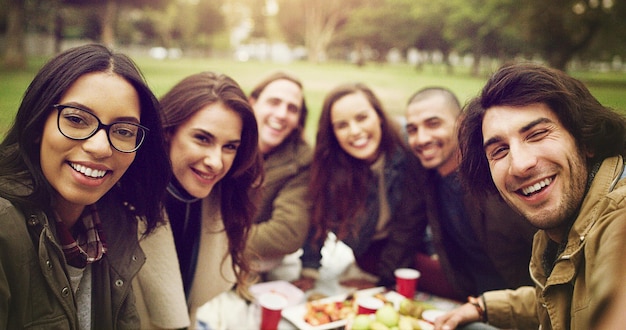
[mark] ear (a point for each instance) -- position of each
(252, 101)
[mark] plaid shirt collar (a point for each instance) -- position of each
(89, 245)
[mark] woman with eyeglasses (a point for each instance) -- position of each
(83, 163)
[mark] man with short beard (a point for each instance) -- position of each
(480, 244)
(555, 154)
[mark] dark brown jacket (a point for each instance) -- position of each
(505, 236)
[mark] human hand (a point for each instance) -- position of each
(465, 314)
(358, 283)
(304, 283)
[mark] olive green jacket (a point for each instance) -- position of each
(35, 291)
(283, 215)
(584, 274)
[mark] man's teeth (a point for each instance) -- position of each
(275, 125)
(90, 172)
(536, 187)
(428, 152)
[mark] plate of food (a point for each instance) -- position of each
(340, 311)
(327, 313)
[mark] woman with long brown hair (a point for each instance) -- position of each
(211, 135)
(363, 182)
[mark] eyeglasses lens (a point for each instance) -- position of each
(79, 124)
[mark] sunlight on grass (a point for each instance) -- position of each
(393, 83)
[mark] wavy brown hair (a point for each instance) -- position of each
(237, 205)
(339, 181)
(596, 129)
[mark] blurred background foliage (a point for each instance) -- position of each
(561, 33)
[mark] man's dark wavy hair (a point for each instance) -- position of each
(597, 129)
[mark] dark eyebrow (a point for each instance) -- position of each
(524, 129)
(491, 141)
(88, 109)
(210, 135)
(534, 123)
(203, 132)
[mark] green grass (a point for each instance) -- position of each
(393, 84)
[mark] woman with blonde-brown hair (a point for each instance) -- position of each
(211, 136)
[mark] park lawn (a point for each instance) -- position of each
(393, 83)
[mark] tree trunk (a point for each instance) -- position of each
(58, 30)
(15, 55)
(559, 61)
(320, 24)
(108, 22)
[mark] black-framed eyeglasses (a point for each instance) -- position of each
(80, 124)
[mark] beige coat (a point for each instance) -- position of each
(159, 287)
(161, 303)
(214, 274)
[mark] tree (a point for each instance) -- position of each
(609, 42)
(483, 28)
(15, 55)
(560, 29)
(318, 21)
(381, 25)
(107, 12)
(430, 28)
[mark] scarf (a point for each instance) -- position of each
(184, 213)
(89, 245)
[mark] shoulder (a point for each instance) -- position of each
(9, 214)
(303, 152)
(13, 222)
(293, 153)
(5, 205)
(405, 164)
(607, 193)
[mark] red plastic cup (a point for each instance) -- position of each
(406, 281)
(272, 305)
(368, 305)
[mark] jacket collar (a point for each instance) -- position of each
(603, 183)
(177, 191)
